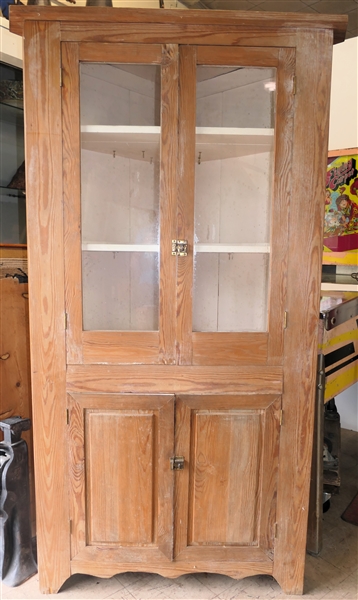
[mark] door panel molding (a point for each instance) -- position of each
(120, 478)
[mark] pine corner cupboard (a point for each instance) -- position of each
(175, 180)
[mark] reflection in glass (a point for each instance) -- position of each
(234, 173)
(120, 135)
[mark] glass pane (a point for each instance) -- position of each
(120, 134)
(234, 174)
(124, 290)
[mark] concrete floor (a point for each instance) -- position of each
(332, 575)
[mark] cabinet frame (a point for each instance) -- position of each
(44, 29)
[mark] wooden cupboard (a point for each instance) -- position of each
(175, 183)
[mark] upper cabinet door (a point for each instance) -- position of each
(119, 117)
(181, 198)
(234, 202)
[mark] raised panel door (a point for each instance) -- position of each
(225, 500)
(120, 481)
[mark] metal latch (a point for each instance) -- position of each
(179, 248)
(177, 463)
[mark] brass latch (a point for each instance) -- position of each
(177, 463)
(179, 248)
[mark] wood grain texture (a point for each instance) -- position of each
(120, 476)
(245, 57)
(225, 456)
(107, 563)
(72, 200)
(174, 34)
(273, 20)
(185, 206)
(313, 57)
(132, 53)
(115, 347)
(171, 379)
(229, 348)
(281, 198)
(15, 384)
(45, 250)
(168, 201)
(122, 485)
(224, 498)
(15, 378)
(233, 402)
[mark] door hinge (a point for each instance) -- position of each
(70, 526)
(294, 85)
(66, 320)
(281, 417)
(179, 247)
(177, 463)
(276, 531)
(67, 416)
(285, 318)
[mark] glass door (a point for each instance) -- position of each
(234, 159)
(124, 203)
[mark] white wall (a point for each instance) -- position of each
(344, 96)
(344, 134)
(10, 45)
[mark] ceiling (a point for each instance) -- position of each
(337, 7)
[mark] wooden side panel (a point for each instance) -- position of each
(313, 57)
(186, 186)
(47, 331)
(121, 482)
(120, 476)
(224, 499)
(168, 201)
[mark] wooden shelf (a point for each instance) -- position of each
(142, 142)
(99, 247)
(217, 248)
(233, 248)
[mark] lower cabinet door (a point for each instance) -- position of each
(121, 483)
(134, 507)
(225, 496)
